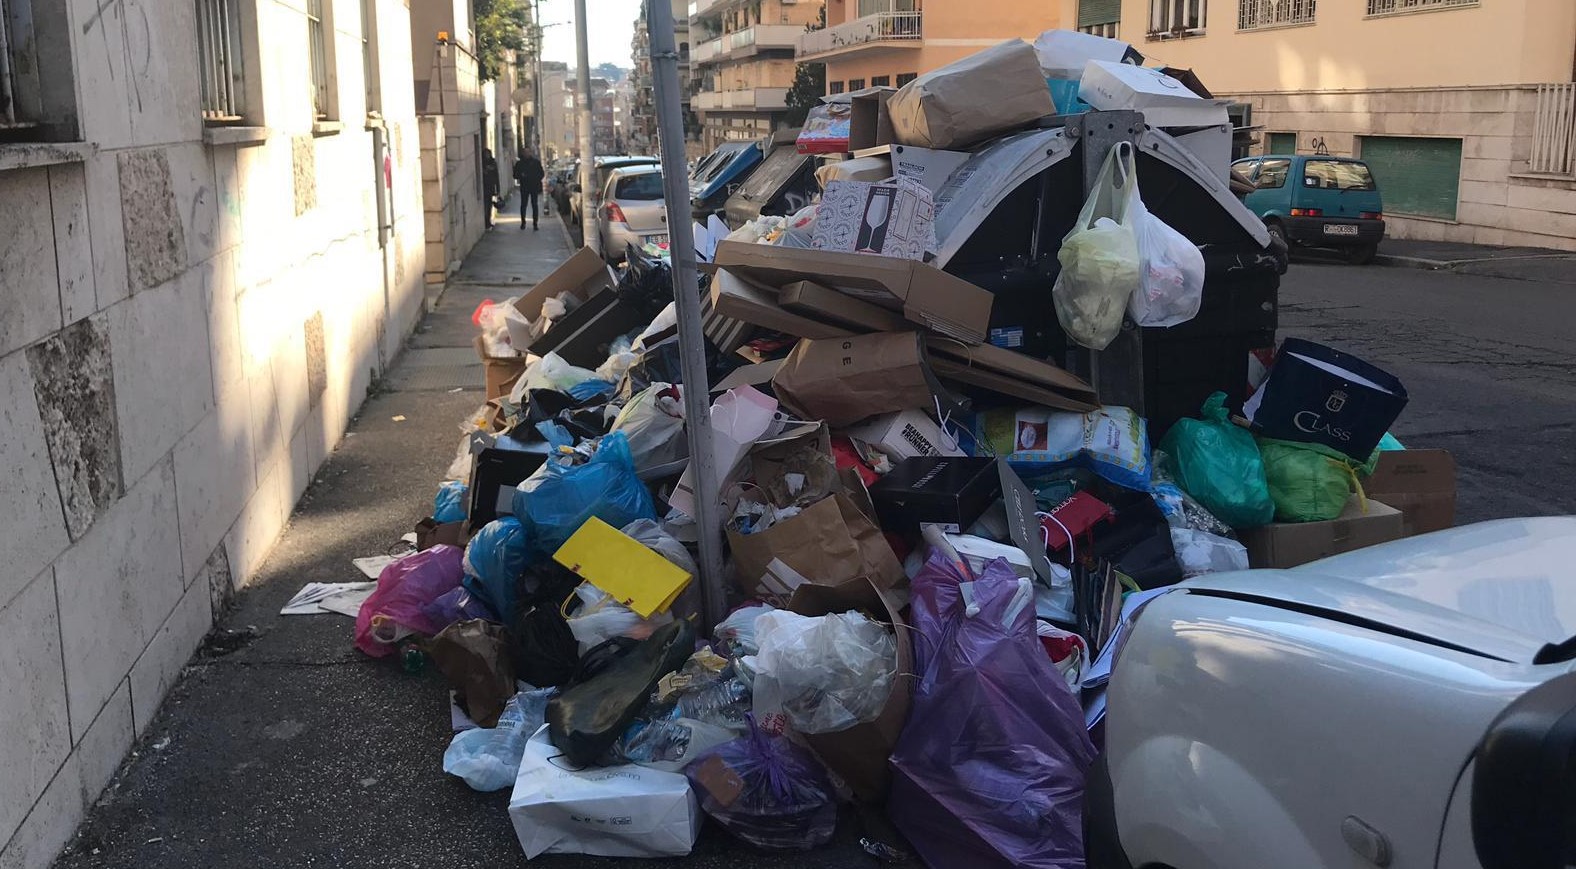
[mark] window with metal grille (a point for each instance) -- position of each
(881, 81)
(317, 33)
(856, 84)
(222, 64)
(904, 78)
(1391, 7)
(1177, 17)
(1253, 14)
(834, 87)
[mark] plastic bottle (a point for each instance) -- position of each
(654, 742)
(723, 703)
(488, 758)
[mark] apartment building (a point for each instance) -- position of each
(1463, 108)
(742, 52)
(211, 244)
(558, 111)
(643, 110)
(867, 43)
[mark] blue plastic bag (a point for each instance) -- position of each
(556, 500)
(449, 504)
(494, 560)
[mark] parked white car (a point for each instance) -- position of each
(1409, 705)
(633, 211)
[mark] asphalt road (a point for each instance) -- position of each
(1488, 363)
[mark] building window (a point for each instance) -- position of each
(881, 81)
(320, 46)
(856, 84)
(834, 87)
(37, 94)
(1169, 18)
(1255, 14)
(904, 78)
(221, 54)
(1392, 7)
(1108, 29)
(1099, 17)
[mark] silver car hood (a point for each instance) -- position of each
(1504, 588)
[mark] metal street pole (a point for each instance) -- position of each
(686, 295)
(583, 119)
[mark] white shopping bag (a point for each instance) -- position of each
(608, 811)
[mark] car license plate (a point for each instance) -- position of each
(657, 239)
(1339, 229)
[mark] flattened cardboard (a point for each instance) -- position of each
(859, 754)
(926, 295)
(583, 275)
(1289, 544)
(1013, 374)
(1419, 483)
(1022, 525)
(749, 375)
(737, 297)
(895, 219)
(846, 312)
(845, 380)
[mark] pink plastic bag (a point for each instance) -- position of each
(405, 589)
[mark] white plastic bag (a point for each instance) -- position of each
(1200, 552)
(601, 618)
(1171, 288)
(653, 420)
(820, 674)
(488, 758)
(1100, 257)
(550, 372)
(609, 811)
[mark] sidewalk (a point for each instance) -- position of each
(282, 745)
(1517, 263)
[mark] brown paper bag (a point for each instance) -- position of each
(844, 380)
(970, 100)
(474, 657)
(828, 543)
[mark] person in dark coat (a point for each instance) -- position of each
(529, 173)
(489, 186)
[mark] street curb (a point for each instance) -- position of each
(1412, 262)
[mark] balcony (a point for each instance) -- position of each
(743, 99)
(762, 37)
(706, 100)
(701, 7)
(881, 30)
(709, 51)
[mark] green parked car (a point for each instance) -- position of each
(1317, 201)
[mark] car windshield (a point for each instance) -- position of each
(1336, 175)
(645, 187)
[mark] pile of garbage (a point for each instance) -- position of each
(932, 539)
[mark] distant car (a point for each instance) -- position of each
(559, 182)
(1317, 201)
(632, 211)
(604, 166)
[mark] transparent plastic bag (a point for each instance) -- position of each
(822, 673)
(737, 631)
(1101, 262)
(668, 745)
(488, 758)
(783, 799)
(601, 618)
(1199, 552)
(1171, 288)
(1306, 485)
(550, 372)
(654, 423)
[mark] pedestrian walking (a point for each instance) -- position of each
(489, 186)
(529, 173)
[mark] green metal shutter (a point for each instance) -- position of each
(1091, 12)
(1282, 143)
(1415, 175)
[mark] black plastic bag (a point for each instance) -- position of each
(586, 719)
(542, 648)
(646, 284)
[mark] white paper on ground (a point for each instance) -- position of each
(607, 811)
(313, 596)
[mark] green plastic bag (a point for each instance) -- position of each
(1219, 465)
(1306, 485)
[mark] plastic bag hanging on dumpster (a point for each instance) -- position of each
(1171, 288)
(1101, 260)
(990, 768)
(556, 500)
(398, 606)
(1219, 465)
(766, 791)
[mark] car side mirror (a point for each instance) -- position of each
(1524, 784)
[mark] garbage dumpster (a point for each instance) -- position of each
(1000, 219)
(719, 175)
(782, 184)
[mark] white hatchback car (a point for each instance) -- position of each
(1409, 705)
(632, 211)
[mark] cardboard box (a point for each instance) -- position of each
(1063, 54)
(939, 490)
(859, 754)
(874, 168)
(905, 435)
(869, 124)
(1164, 101)
(1419, 483)
(970, 100)
(494, 474)
(926, 295)
(845, 312)
(894, 219)
(737, 297)
(1014, 374)
(749, 375)
(499, 373)
(430, 533)
(1289, 544)
(583, 336)
(583, 275)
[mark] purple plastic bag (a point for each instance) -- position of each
(766, 791)
(458, 605)
(989, 770)
(405, 589)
